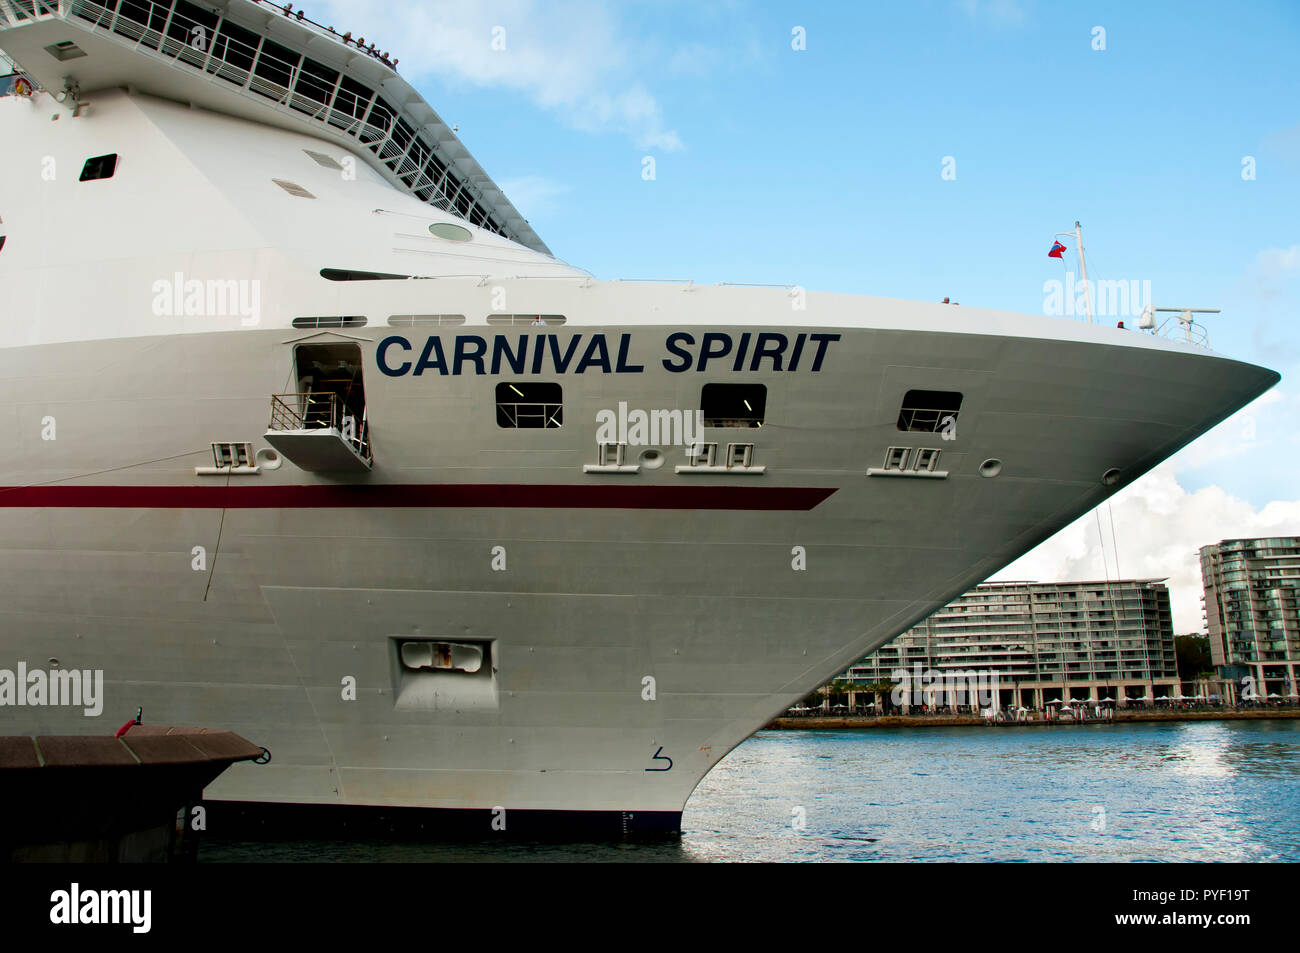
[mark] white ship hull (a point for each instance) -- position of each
(311, 581)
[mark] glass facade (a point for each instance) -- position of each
(1252, 587)
(1073, 635)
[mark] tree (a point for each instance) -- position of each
(882, 689)
(1193, 654)
(814, 700)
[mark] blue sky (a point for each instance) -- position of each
(822, 166)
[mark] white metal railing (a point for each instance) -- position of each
(529, 415)
(320, 410)
(1180, 325)
(391, 134)
(15, 12)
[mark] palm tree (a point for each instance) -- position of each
(880, 689)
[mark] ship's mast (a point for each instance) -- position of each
(1083, 269)
(1077, 234)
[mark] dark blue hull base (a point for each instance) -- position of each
(248, 820)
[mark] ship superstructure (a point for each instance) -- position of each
(312, 439)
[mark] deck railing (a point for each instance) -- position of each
(291, 79)
(320, 410)
(21, 11)
(530, 415)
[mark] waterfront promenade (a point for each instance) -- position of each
(1041, 719)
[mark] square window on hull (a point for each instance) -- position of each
(734, 405)
(929, 411)
(532, 405)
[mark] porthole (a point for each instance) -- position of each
(1110, 477)
(990, 467)
(452, 233)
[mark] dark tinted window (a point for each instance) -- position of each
(315, 82)
(344, 274)
(236, 46)
(100, 167)
(529, 405)
(926, 410)
(275, 64)
(331, 321)
(734, 405)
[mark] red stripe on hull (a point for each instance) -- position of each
(491, 495)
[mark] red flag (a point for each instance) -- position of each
(124, 729)
(1058, 250)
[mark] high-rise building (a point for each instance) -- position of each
(1252, 587)
(1044, 641)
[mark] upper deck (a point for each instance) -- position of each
(253, 60)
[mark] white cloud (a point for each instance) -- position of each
(574, 57)
(1159, 528)
(1262, 430)
(1272, 270)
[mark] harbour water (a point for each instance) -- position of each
(1199, 791)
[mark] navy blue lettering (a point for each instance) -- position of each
(588, 358)
(822, 341)
(431, 347)
(501, 347)
(562, 365)
(739, 363)
(624, 340)
(432, 356)
(380, 351)
(794, 354)
(463, 354)
(707, 351)
(671, 346)
(761, 350)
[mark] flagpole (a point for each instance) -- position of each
(1083, 269)
(1083, 266)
